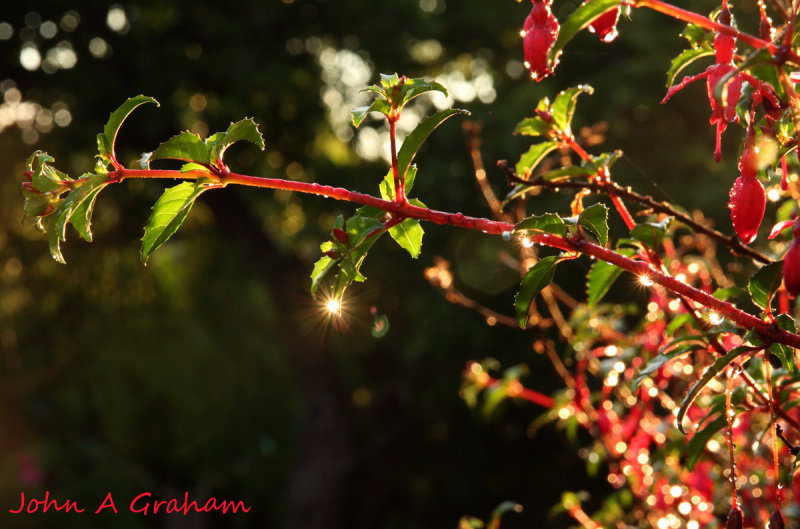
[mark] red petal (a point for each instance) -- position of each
(779, 227)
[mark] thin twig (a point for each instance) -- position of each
(732, 242)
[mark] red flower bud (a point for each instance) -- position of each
(747, 198)
(605, 26)
(734, 518)
(332, 254)
(775, 520)
(28, 175)
(791, 262)
(539, 33)
(340, 235)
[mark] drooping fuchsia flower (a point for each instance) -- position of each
(747, 197)
(539, 33)
(791, 262)
(722, 112)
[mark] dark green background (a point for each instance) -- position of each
(210, 370)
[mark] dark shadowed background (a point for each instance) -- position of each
(211, 370)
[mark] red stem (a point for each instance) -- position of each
(707, 23)
(604, 179)
(574, 245)
(399, 183)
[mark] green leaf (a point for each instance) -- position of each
(785, 353)
(408, 235)
(416, 87)
(414, 140)
(564, 104)
(539, 276)
(725, 293)
(362, 233)
(386, 186)
(186, 146)
(533, 127)
(83, 204)
(577, 21)
(378, 105)
(528, 161)
(107, 140)
(601, 277)
(698, 37)
(321, 268)
(169, 212)
(245, 129)
(595, 219)
(191, 166)
(720, 364)
(765, 283)
(684, 59)
(547, 223)
(604, 160)
(651, 234)
(697, 444)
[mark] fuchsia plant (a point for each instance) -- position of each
(636, 386)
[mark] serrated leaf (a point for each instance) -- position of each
(378, 105)
(697, 443)
(414, 140)
(528, 161)
(321, 268)
(416, 87)
(603, 160)
(650, 234)
(595, 219)
(362, 233)
(82, 204)
(720, 364)
(408, 234)
(785, 353)
(684, 59)
(765, 283)
(244, 130)
(547, 223)
(601, 277)
(115, 120)
(579, 20)
(564, 104)
(186, 146)
(169, 212)
(538, 276)
(697, 36)
(535, 126)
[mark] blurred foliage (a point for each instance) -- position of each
(197, 373)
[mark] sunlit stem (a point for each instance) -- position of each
(773, 430)
(710, 25)
(604, 179)
(399, 181)
(731, 447)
